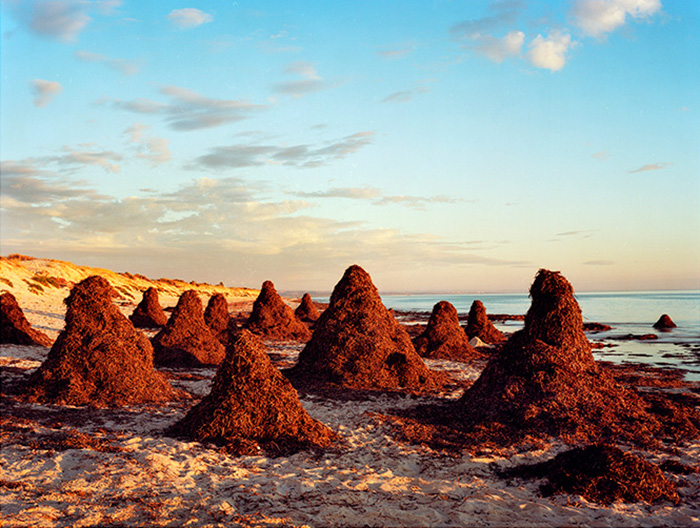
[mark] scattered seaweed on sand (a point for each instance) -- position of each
(99, 358)
(358, 344)
(271, 318)
(444, 338)
(664, 323)
(14, 327)
(149, 313)
(603, 474)
(186, 341)
(479, 325)
(252, 406)
(217, 317)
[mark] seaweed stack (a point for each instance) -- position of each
(271, 318)
(186, 341)
(217, 317)
(149, 313)
(99, 358)
(443, 338)
(358, 344)
(251, 405)
(307, 311)
(479, 325)
(544, 380)
(14, 327)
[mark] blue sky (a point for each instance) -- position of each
(449, 146)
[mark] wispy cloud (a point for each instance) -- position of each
(310, 80)
(550, 52)
(599, 263)
(503, 14)
(397, 53)
(155, 150)
(45, 91)
(123, 66)
(598, 17)
(216, 219)
(189, 18)
(376, 197)
(405, 96)
(601, 156)
(188, 110)
(62, 20)
(651, 167)
(499, 49)
(303, 156)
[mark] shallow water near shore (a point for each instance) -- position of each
(627, 312)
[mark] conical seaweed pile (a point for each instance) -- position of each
(271, 318)
(358, 344)
(545, 381)
(250, 401)
(479, 325)
(14, 327)
(99, 358)
(186, 341)
(307, 311)
(217, 317)
(443, 338)
(664, 323)
(149, 313)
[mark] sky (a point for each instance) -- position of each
(447, 146)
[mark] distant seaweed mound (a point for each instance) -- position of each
(664, 323)
(14, 327)
(149, 313)
(307, 311)
(479, 325)
(186, 341)
(99, 358)
(545, 380)
(217, 317)
(443, 338)
(251, 404)
(358, 344)
(602, 474)
(271, 318)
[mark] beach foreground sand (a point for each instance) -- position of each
(74, 466)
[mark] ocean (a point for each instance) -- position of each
(627, 312)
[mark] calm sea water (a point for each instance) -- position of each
(627, 312)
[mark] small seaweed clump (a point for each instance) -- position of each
(603, 474)
(186, 341)
(271, 318)
(664, 323)
(443, 338)
(99, 358)
(14, 327)
(149, 313)
(252, 405)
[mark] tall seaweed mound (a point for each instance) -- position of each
(479, 325)
(307, 311)
(186, 341)
(99, 358)
(544, 381)
(149, 313)
(664, 323)
(251, 401)
(443, 338)
(271, 318)
(358, 344)
(603, 474)
(14, 327)
(217, 317)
